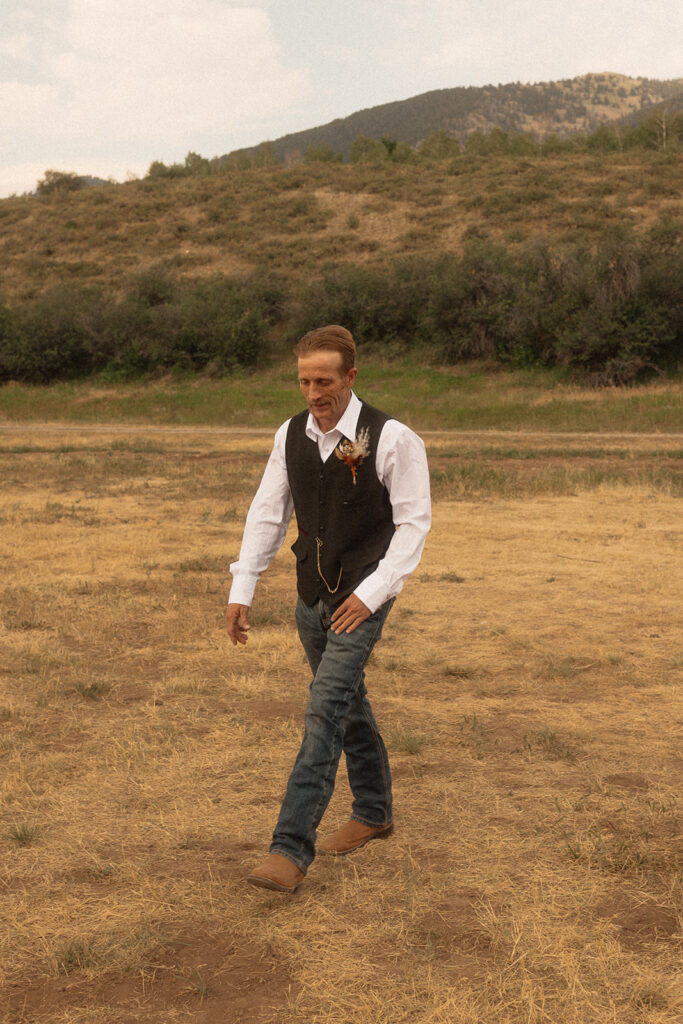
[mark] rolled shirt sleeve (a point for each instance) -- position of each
(266, 524)
(401, 463)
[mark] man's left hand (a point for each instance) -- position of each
(349, 615)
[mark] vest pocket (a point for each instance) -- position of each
(355, 504)
(300, 549)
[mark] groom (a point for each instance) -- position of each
(358, 483)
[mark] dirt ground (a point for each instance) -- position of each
(527, 684)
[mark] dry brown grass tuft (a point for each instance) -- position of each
(527, 686)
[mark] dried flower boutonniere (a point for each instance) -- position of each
(353, 452)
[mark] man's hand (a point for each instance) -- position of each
(237, 618)
(349, 615)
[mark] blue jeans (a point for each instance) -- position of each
(338, 717)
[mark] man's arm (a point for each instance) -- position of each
(264, 531)
(401, 463)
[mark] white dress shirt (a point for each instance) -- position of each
(401, 465)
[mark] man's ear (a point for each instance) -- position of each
(351, 376)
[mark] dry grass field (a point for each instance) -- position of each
(526, 685)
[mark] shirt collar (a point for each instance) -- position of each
(346, 426)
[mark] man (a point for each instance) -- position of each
(358, 483)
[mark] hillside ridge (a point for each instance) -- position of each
(561, 107)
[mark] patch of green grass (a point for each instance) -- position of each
(441, 577)
(460, 672)
(565, 667)
(649, 998)
(268, 614)
(76, 955)
(543, 452)
(477, 478)
(425, 395)
(473, 735)
(199, 986)
(203, 563)
(23, 833)
(14, 620)
(550, 744)
(471, 724)
(404, 739)
(92, 691)
(604, 848)
(55, 512)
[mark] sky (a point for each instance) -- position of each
(104, 87)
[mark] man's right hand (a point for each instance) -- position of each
(237, 618)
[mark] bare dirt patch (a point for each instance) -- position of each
(638, 922)
(209, 978)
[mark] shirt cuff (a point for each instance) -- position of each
(372, 592)
(242, 589)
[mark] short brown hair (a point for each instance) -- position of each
(332, 337)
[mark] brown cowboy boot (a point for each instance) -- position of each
(352, 836)
(278, 873)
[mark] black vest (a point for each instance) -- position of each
(344, 528)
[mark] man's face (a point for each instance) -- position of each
(325, 386)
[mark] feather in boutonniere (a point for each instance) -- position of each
(353, 452)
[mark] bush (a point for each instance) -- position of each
(220, 322)
(368, 151)
(55, 336)
(56, 182)
(612, 316)
(438, 145)
(159, 170)
(158, 324)
(468, 299)
(322, 154)
(630, 320)
(378, 305)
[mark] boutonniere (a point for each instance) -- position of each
(353, 452)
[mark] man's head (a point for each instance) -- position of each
(333, 338)
(327, 373)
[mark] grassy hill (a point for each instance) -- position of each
(298, 223)
(568, 259)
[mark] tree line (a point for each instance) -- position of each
(661, 131)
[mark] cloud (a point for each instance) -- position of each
(159, 72)
(24, 105)
(17, 47)
(90, 84)
(531, 40)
